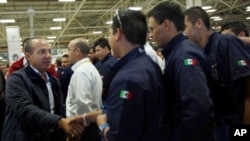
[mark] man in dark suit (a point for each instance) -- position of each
(33, 98)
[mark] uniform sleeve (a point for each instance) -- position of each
(192, 110)
(125, 109)
(18, 98)
(236, 56)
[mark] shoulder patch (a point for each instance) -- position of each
(190, 62)
(124, 94)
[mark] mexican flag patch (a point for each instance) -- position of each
(242, 62)
(190, 62)
(124, 94)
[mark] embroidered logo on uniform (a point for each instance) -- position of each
(242, 62)
(126, 94)
(188, 62)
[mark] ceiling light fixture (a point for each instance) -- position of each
(135, 8)
(7, 21)
(55, 28)
(206, 7)
(66, 0)
(50, 41)
(59, 19)
(218, 19)
(51, 37)
(210, 10)
(97, 32)
(3, 1)
(248, 18)
(215, 17)
(109, 22)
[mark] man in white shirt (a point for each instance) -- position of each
(85, 88)
(153, 55)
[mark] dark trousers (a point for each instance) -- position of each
(91, 133)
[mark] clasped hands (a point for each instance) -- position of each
(72, 126)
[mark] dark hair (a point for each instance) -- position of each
(102, 42)
(59, 61)
(25, 41)
(84, 48)
(28, 48)
(92, 48)
(134, 25)
(196, 12)
(168, 10)
(65, 55)
(236, 27)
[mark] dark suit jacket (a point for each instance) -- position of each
(28, 116)
(2, 101)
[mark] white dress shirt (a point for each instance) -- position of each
(152, 54)
(85, 89)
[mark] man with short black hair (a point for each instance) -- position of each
(190, 109)
(103, 52)
(229, 71)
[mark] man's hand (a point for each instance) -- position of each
(71, 126)
(101, 119)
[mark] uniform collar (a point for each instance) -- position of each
(209, 42)
(106, 57)
(170, 46)
(128, 57)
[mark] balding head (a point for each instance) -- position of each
(78, 49)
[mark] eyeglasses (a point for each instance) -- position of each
(71, 49)
(118, 18)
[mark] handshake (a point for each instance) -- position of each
(73, 126)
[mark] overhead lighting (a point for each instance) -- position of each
(97, 32)
(206, 7)
(7, 21)
(109, 22)
(218, 19)
(135, 8)
(215, 17)
(51, 37)
(66, 0)
(248, 18)
(210, 10)
(55, 28)
(50, 41)
(247, 10)
(248, 7)
(59, 19)
(3, 1)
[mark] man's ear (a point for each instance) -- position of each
(242, 34)
(27, 56)
(199, 23)
(166, 24)
(118, 34)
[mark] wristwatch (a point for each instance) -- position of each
(103, 126)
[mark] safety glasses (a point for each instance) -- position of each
(118, 17)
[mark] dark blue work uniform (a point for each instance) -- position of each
(190, 112)
(105, 70)
(229, 64)
(97, 63)
(136, 99)
(64, 79)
